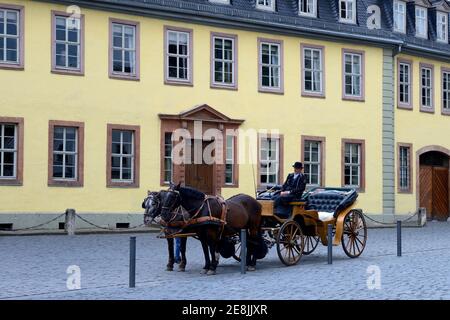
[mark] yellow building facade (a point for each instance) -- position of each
(98, 102)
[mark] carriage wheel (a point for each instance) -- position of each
(237, 252)
(290, 243)
(354, 236)
(311, 243)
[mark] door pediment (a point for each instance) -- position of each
(201, 113)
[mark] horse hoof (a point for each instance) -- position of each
(211, 272)
(181, 270)
(204, 271)
(251, 268)
(169, 269)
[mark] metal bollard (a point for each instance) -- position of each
(243, 251)
(69, 224)
(330, 243)
(399, 238)
(132, 262)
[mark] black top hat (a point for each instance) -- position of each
(298, 165)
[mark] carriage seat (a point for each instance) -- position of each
(325, 203)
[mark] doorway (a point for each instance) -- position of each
(198, 173)
(434, 185)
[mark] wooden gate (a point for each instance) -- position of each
(434, 191)
(200, 175)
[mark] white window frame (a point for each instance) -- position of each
(428, 88)
(313, 71)
(230, 140)
(421, 19)
(267, 162)
(307, 14)
(224, 61)
(446, 91)
(268, 5)
(351, 164)
(398, 14)
(122, 155)
(3, 150)
(64, 152)
(122, 48)
(178, 56)
(348, 19)
(353, 75)
(406, 84)
(6, 36)
(310, 163)
(441, 37)
(168, 157)
(67, 42)
(270, 65)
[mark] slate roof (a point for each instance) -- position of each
(285, 19)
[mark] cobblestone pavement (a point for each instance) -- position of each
(34, 267)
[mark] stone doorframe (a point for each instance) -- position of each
(209, 118)
(418, 154)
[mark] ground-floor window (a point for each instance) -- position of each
(312, 155)
(168, 160)
(11, 151)
(404, 167)
(123, 155)
(269, 160)
(353, 163)
(8, 151)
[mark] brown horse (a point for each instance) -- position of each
(242, 212)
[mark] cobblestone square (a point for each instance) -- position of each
(34, 267)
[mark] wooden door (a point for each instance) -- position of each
(440, 193)
(434, 192)
(426, 186)
(199, 175)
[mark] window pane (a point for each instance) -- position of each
(58, 145)
(8, 143)
(126, 174)
(115, 148)
(8, 157)
(126, 162)
(70, 159)
(57, 171)
(115, 162)
(115, 174)
(70, 172)
(58, 159)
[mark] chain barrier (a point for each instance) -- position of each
(37, 226)
(62, 215)
(390, 223)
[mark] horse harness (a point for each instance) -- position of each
(188, 220)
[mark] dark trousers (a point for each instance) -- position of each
(282, 208)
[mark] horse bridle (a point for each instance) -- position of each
(174, 213)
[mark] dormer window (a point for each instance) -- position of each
(421, 22)
(347, 11)
(268, 5)
(220, 1)
(307, 8)
(442, 26)
(399, 16)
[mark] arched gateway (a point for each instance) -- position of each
(433, 181)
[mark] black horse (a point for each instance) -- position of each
(242, 212)
(152, 206)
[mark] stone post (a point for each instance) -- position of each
(69, 226)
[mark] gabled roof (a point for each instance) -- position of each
(441, 5)
(423, 3)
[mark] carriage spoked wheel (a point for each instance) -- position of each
(237, 252)
(290, 243)
(311, 243)
(354, 237)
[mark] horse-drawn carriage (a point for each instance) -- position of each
(216, 223)
(307, 224)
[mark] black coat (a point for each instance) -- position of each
(295, 186)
